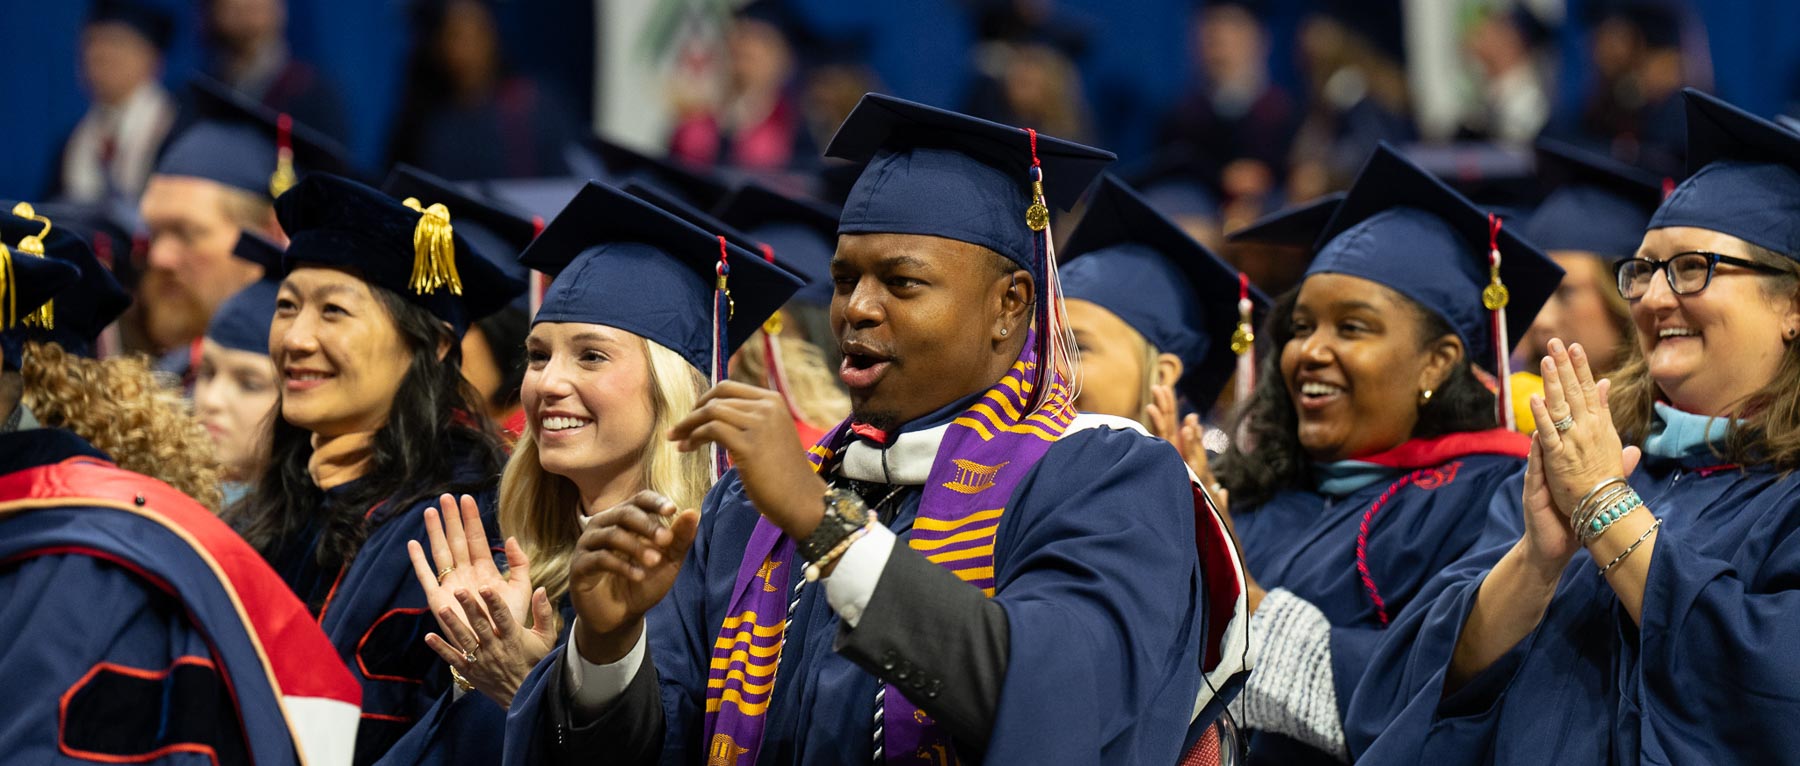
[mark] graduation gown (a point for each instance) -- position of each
(1709, 677)
(1306, 543)
(135, 627)
(1088, 672)
(376, 616)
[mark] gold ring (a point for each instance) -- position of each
(461, 682)
(469, 657)
(443, 573)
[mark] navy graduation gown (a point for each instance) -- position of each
(1306, 543)
(1093, 674)
(1710, 677)
(375, 614)
(135, 627)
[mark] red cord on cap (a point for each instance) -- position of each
(768, 252)
(1034, 157)
(284, 129)
(1668, 186)
(537, 226)
(1493, 232)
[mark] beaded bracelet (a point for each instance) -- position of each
(1630, 548)
(816, 569)
(1609, 515)
(1584, 514)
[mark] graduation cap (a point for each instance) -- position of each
(803, 233)
(1401, 227)
(148, 21)
(622, 164)
(1297, 226)
(245, 145)
(1791, 123)
(932, 172)
(412, 249)
(1131, 260)
(242, 321)
(624, 262)
(498, 232)
(1599, 205)
(74, 317)
(1744, 177)
(27, 282)
(939, 173)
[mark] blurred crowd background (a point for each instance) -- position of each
(1220, 110)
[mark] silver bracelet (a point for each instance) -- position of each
(1596, 490)
(1632, 547)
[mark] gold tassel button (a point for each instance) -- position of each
(1242, 339)
(434, 250)
(283, 178)
(1038, 215)
(1495, 296)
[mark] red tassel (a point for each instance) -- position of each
(1495, 297)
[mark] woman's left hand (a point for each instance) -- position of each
(1186, 434)
(486, 643)
(1585, 449)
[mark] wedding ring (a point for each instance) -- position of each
(443, 573)
(469, 657)
(1565, 424)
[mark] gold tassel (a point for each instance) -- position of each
(9, 294)
(45, 317)
(434, 250)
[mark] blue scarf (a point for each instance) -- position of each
(1685, 437)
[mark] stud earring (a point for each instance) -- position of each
(1003, 332)
(1425, 397)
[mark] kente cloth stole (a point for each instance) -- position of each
(986, 451)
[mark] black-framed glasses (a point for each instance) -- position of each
(1688, 272)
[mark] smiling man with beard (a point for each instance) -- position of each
(964, 571)
(218, 177)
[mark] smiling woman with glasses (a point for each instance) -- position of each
(1648, 612)
(1688, 272)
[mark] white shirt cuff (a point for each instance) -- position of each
(852, 583)
(592, 687)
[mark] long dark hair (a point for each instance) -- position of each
(1266, 457)
(434, 434)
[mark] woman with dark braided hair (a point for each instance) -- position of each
(376, 422)
(1372, 444)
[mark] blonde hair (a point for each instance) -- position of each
(811, 383)
(540, 508)
(1771, 431)
(119, 406)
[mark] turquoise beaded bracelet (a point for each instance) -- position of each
(1608, 515)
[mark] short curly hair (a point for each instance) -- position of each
(119, 406)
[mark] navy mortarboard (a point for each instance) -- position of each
(74, 317)
(411, 249)
(1599, 205)
(1276, 248)
(1132, 261)
(623, 262)
(621, 164)
(1744, 177)
(27, 282)
(1401, 227)
(248, 146)
(498, 232)
(803, 233)
(242, 321)
(1297, 226)
(931, 172)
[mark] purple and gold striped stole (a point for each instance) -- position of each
(986, 451)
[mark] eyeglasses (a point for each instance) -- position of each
(1688, 272)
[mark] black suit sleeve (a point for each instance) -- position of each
(937, 640)
(628, 733)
